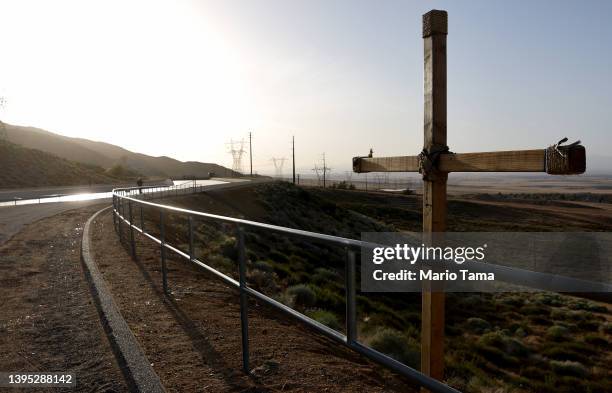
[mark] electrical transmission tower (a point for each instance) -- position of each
(236, 149)
(322, 171)
(279, 163)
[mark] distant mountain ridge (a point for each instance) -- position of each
(24, 167)
(106, 155)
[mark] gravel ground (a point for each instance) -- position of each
(193, 336)
(48, 321)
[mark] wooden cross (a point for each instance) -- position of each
(435, 162)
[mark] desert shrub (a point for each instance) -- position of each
(549, 299)
(478, 325)
(504, 343)
(323, 276)
(263, 266)
(568, 367)
(535, 309)
(328, 298)
(396, 345)
(296, 278)
(278, 256)
(222, 263)
(563, 314)
(588, 325)
(606, 328)
(228, 248)
(557, 333)
(327, 318)
(303, 295)
(262, 281)
(562, 351)
(596, 340)
(586, 305)
(542, 320)
(514, 301)
(520, 332)
(478, 384)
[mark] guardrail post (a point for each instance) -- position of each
(244, 302)
(191, 255)
(351, 309)
(115, 214)
(120, 218)
(132, 242)
(142, 220)
(162, 238)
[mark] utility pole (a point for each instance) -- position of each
(293, 152)
(324, 170)
(251, 153)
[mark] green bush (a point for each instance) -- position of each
(557, 333)
(478, 325)
(596, 340)
(323, 276)
(303, 295)
(506, 344)
(513, 301)
(329, 299)
(549, 299)
(398, 346)
(327, 318)
(568, 367)
(606, 328)
(535, 309)
(586, 305)
(573, 351)
(263, 266)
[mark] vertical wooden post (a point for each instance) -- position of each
(435, 29)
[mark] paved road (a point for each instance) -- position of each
(14, 218)
(37, 192)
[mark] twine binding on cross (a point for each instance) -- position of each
(428, 161)
(557, 157)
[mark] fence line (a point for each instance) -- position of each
(133, 196)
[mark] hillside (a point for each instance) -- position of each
(23, 167)
(519, 342)
(106, 155)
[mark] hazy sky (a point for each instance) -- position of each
(181, 78)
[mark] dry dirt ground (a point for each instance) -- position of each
(193, 339)
(48, 321)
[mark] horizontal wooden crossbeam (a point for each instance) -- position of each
(498, 161)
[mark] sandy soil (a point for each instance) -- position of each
(48, 321)
(193, 337)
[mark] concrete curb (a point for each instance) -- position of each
(134, 364)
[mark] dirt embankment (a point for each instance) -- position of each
(193, 336)
(48, 321)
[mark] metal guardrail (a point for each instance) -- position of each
(130, 197)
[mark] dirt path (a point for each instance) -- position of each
(47, 319)
(193, 337)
